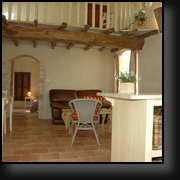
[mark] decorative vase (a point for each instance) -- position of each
(138, 25)
(126, 88)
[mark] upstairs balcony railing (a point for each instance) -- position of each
(99, 15)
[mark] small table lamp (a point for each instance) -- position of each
(29, 93)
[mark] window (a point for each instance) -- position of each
(124, 61)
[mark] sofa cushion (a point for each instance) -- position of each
(89, 92)
(62, 95)
(62, 105)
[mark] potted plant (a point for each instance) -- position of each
(126, 82)
(140, 17)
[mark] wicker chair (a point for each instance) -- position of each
(85, 115)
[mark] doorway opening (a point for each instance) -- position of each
(25, 76)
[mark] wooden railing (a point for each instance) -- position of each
(117, 15)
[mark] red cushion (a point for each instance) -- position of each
(94, 97)
(75, 116)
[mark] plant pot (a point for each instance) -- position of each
(139, 25)
(126, 88)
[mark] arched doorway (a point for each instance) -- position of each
(23, 64)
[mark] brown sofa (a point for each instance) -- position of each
(59, 99)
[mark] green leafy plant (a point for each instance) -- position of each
(140, 16)
(126, 77)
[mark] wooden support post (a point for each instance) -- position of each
(87, 47)
(86, 28)
(70, 45)
(53, 44)
(62, 26)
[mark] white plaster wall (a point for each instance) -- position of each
(151, 64)
(67, 69)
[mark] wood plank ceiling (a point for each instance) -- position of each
(133, 39)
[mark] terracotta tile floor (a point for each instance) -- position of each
(36, 140)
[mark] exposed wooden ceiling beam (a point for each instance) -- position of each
(62, 26)
(88, 38)
(86, 28)
(70, 45)
(16, 43)
(87, 47)
(101, 49)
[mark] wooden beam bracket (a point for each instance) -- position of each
(35, 23)
(62, 26)
(109, 31)
(101, 49)
(16, 43)
(86, 28)
(70, 45)
(87, 47)
(34, 44)
(53, 44)
(114, 50)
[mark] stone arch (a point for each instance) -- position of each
(41, 77)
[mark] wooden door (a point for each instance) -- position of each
(21, 85)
